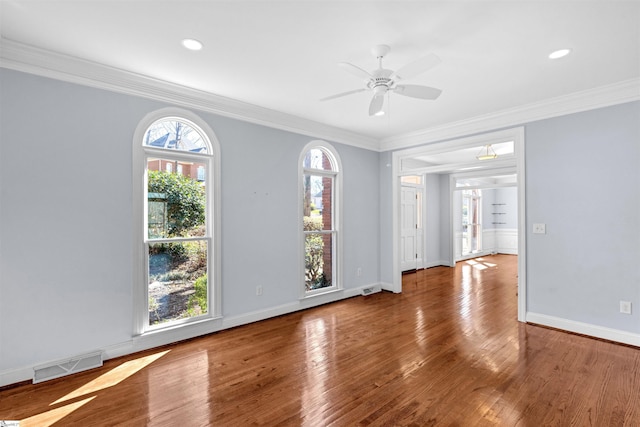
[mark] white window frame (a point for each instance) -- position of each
(336, 206)
(141, 153)
(474, 194)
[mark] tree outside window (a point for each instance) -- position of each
(178, 239)
(320, 234)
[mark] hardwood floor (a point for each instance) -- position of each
(448, 351)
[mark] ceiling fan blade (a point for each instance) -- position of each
(340, 95)
(417, 91)
(377, 102)
(416, 67)
(355, 70)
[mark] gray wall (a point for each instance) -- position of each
(503, 200)
(583, 182)
(445, 220)
(432, 219)
(508, 196)
(66, 217)
(66, 209)
(386, 212)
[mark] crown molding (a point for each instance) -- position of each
(45, 63)
(603, 96)
(33, 60)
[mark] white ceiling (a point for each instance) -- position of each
(282, 55)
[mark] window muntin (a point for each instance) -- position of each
(174, 133)
(319, 177)
(177, 226)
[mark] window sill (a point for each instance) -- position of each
(320, 292)
(178, 332)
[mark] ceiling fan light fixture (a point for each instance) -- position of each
(486, 153)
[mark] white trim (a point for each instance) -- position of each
(41, 62)
(602, 96)
(519, 147)
(15, 376)
(172, 335)
(513, 134)
(213, 211)
(438, 263)
(336, 173)
(591, 330)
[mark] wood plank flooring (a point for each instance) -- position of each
(448, 351)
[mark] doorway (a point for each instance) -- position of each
(412, 219)
(471, 222)
(459, 158)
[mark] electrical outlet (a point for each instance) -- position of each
(539, 229)
(259, 290)
(625, 307)
(359, 272)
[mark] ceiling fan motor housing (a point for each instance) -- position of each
(380, 79)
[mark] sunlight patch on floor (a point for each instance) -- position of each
(52, 416)
(113, 377)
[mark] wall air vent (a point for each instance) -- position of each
(370, 290)
(67, 366)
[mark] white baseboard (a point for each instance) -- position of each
(438, 263)
(386, 286)
(596, 331)
(184, 332)
(507, 251)
(16, 375)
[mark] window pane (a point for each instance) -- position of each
(175, 135)
(177, 280)
(318, 260)
(176, 202)
(317, 159)
(411, 179)
(318, 202)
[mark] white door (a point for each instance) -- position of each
(411, 229)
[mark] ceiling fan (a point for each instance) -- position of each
(382, 81)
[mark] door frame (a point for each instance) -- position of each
(517, 161)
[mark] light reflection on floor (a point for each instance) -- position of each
(317, 335)
(106, 380)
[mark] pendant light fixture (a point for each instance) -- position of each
(486, 153)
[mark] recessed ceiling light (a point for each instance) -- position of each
(192, 44)
(561, 53)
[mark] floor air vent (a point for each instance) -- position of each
(370, 290)
(67, 367)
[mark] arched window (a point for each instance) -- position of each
(176, 162)
(320, 184)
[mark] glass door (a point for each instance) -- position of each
(471, 222)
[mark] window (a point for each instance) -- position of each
(178, 267)
(320, 219)
(471, 221)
